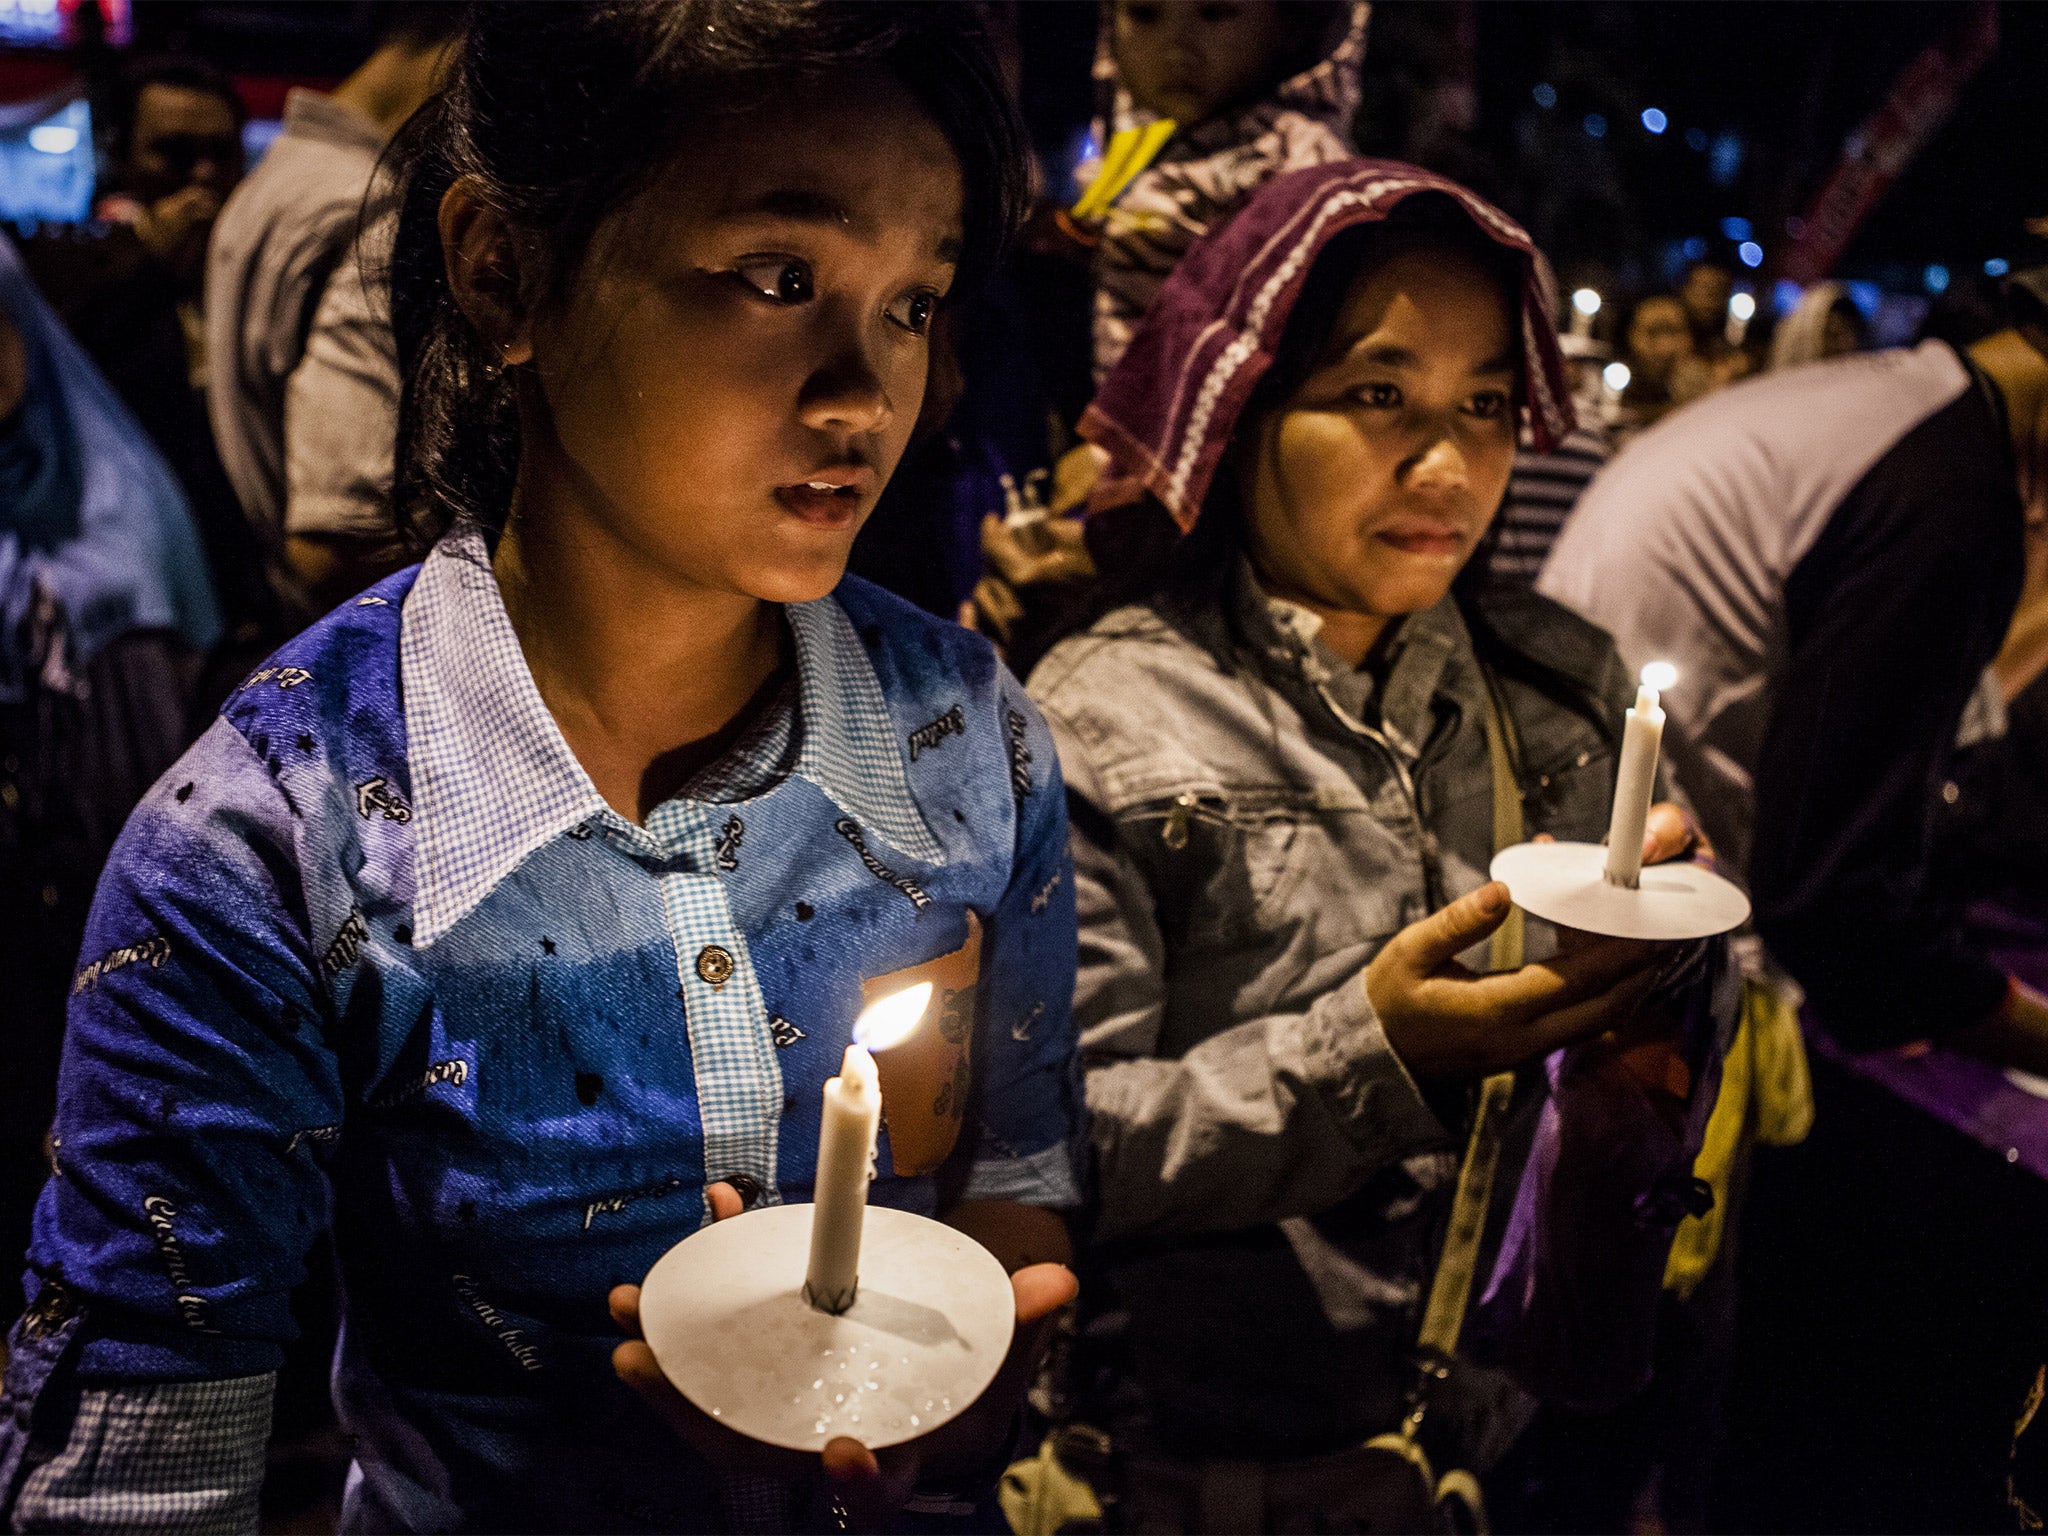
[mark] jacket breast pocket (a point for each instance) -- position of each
(1570, 792)
(1225, 864)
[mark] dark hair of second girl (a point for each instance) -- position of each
(561, 112)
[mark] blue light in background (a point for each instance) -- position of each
(1724, 162)
(1546, 96)
(1695, 249)
(258, 134)
(1654, 120)
(46, 169)
(1733, 228)
(1997, 266)
(1595, 126)
(1934, 278)
(1750, 253)
(1785, 296)
(1865, 296)
(1696, 140)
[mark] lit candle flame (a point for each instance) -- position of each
(889, 1021)
(1660, 675)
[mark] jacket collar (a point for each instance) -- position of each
(1420, 662)
(493, 777)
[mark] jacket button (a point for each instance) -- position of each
(714, 965)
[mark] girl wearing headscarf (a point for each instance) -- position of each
(1291, 747)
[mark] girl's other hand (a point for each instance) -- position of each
(871, 1485)
(1672, 833)
(1445, 1021)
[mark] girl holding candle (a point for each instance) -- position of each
(1276, 739)
(512, 918)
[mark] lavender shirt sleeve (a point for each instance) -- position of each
(1571, 1307)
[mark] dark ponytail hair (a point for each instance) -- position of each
(561, 112)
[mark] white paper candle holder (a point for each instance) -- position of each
(1567, 884)
(724, 1313)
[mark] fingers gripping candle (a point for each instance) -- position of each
(846, 1149)
(1635, 785)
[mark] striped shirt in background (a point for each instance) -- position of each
(1542, 490)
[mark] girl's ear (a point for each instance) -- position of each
(483, 253)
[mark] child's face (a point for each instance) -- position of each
(1368, 489)
(734, 371)
(1191, 59)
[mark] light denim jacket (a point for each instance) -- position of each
(1251, 821)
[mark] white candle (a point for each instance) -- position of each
(1635, 786)
(846, 1149)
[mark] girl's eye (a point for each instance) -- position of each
(914, 311)
(1492, 405)
(778, 279)
(1382, 396)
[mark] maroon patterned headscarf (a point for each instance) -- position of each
(1166, 411)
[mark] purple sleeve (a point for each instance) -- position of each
(1571, 1307)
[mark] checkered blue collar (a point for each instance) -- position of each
(493, 778)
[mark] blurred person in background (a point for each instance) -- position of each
(1831, 557)
(129, 284)
(1704, 291)
(105, 613)
(2001, 805)
(1250, 89)
(1831, 561)
(284, 243)
(1825, 323)
(1658, 347)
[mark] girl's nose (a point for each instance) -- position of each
(1441, 468)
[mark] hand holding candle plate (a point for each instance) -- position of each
(795, 1325)
(1606, 890)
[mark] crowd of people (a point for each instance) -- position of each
(637, 527)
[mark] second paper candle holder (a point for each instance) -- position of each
(1605, 889)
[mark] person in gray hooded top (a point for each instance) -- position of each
(1281, 787)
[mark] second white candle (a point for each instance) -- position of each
(1635, 784)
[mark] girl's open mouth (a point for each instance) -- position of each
(821, 502)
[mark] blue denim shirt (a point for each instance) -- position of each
(376, 954)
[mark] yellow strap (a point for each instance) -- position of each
(1765, 1094)
(1130, 151)
(1443, 1319)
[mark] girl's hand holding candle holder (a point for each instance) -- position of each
(886, 1344)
